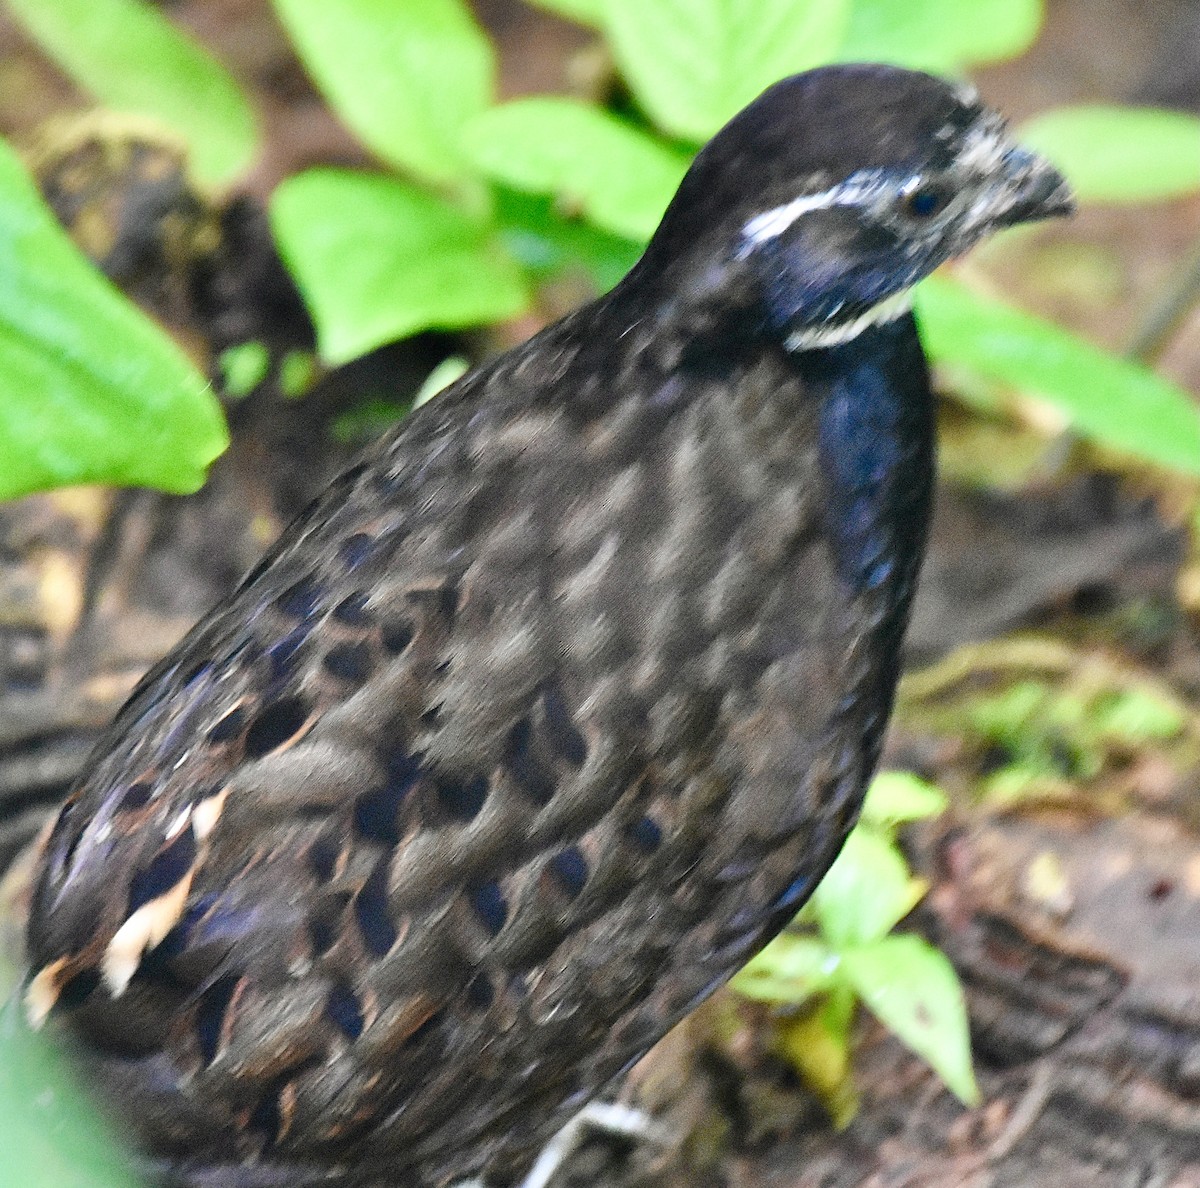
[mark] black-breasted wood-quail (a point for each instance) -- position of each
(553, 710)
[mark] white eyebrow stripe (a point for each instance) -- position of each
(774, 222)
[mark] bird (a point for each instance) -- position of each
(552, 710)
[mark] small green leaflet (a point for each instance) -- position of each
(405, 76)
(789, 970)
(378, 260)
(895, 797)
(866, 892)
(693, 64)
(913, 990)
(939, 35)
(133, 59)
(90, 389)
(1120, 154)
(1118, 404)
(617, 176)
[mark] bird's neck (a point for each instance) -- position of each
(876, 449)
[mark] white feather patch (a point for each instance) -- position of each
(206, 814)
(984, 148)
(43, 993)
(142, 931)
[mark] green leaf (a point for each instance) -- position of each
(378, 260)
(789, 970)
(618, 177)
(694, 64)
(817, 1045)
(939, 35)
(1011, 714)
(913, 989)
(243, 367)
(1137, 716)
(450, 369)
(866, 891)
(898, 796)
(131, 58)
(298, 373)
(1120, 154)
(404, 76)
(583, 12)
(367, 421)
(1117, 403)
(1026, 779)
(90, 389)
(546, 243)
(53, 1132)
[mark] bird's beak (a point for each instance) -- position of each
(1031, 189)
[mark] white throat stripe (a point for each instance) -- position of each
(810, 338)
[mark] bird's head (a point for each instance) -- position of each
(834, 192)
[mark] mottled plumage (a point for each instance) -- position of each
(552, 711)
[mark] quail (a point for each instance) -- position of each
(552, 711)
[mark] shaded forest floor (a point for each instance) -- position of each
(1065, 880)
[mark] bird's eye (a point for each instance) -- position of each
(926, 200)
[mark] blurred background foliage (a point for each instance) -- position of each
(476, 206)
